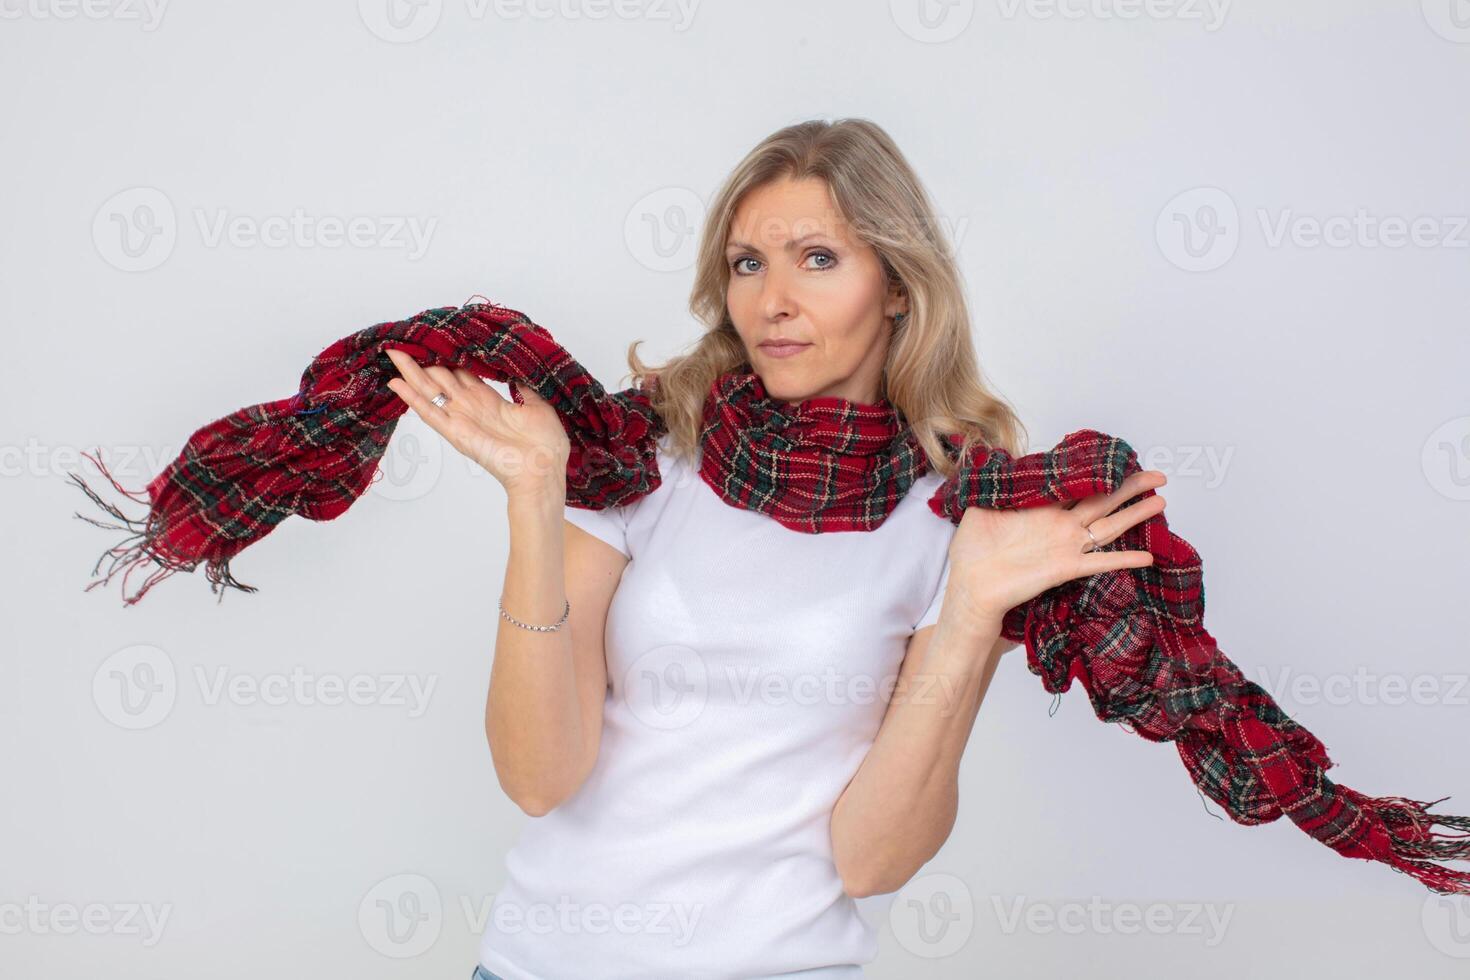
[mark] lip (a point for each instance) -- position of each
(780, 349)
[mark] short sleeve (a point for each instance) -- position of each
(931, 615)
(610, 525)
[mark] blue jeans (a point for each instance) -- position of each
(483, 974)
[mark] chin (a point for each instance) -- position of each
(784, 389)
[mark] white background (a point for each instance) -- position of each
(1307, 399)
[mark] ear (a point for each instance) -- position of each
(897, 300)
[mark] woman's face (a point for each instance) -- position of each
(798, 272)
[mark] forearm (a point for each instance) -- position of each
(900, 807)
(532, 715)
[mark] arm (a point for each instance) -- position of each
(543, 712)
(900, 806)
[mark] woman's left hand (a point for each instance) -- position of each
(1002, 558)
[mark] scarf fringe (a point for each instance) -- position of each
(142, 546)
(1414, 845)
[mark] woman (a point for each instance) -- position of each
(745, 727)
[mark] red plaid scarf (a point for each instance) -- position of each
(1135, 638)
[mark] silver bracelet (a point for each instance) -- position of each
(528, 626)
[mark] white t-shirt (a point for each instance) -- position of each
(749, 667)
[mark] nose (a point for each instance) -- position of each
(777, 301)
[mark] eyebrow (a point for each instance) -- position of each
(789, 245)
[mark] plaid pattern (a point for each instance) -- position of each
(819, 465)
(316, 452)
(1135, 638)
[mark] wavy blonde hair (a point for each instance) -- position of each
(931, 373)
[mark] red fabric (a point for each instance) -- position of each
(1135, 638)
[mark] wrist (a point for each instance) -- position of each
(969, 612)
(547, 495)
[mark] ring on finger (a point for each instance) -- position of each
(440, 400)
(1095, 544)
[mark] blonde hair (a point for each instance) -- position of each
(931, 373)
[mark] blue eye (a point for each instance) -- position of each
(736, 264)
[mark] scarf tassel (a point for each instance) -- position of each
(144, 545)
(1413, 845)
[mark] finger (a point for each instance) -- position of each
(1110, 528)
(432, 414)
(1094, 562)
(414, 374)
(470, 378)
(443, 381)
(1092, 507)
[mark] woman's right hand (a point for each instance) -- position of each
(525, 447)
(1002, 558)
